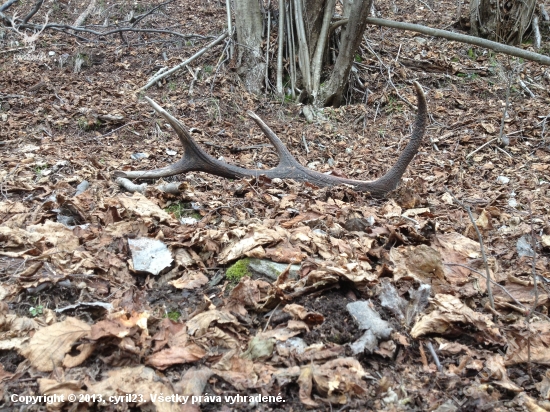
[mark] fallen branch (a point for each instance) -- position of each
(533, 265)
(64, 27)
(462, 38)
(185, 63)
(33, 11)
(480, 238)
(7, 4)
(434, 356)
(481, 147)
(78, 22)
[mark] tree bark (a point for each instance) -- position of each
(505, 21)
(332, 92)
(248, 23)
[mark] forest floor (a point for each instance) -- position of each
(80, 316)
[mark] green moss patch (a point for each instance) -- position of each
(238, 270)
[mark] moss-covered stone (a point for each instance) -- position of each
(238, 270)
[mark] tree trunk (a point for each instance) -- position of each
(332, 92)
(248, 23)
(307, 42)
(505, 21)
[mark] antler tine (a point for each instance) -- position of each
(194, 158)
(285, 157)
(179, 128)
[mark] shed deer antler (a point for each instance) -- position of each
(196, 159)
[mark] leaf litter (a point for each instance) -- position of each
(79, 316)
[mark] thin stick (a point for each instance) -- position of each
(534, 263)
(131, 186)
(477, 41)
(78, 22)
(117, 129)
(7, 4)
(281, 40)
(492, 281)
(229, 27)
(503, 151)
(317, 63)
(142, 16)
(185, 63)
(270, 316)
(303, 49)
(536, 32)
(480, 238)
(434, 355)
(481, 147)
(305, 143)
(267, 45)
(290, 48)
(526, 89)
(505, 113)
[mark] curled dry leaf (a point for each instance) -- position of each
(498, 375)
(421, 263)
(199, 324)
(191, 279)
(49, 387)
(50, 346)
(456, 249)
(301, 313)
(518, 348)
(193, 383)
(176, 355)
(119, 325)
(141, 206)
(452, 317)
(247, 294)
(137, 380)
(257, 235)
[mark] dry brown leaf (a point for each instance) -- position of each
(175, 355)
(247, 294)
(141, 206)
(498, 375)
(340, 379)
(51, 345)
(56, 235)
(49, 387)
(421, 263)
(285, 254)
(119, 325)
(483, 223)
(301, 313)
(519, 345)
(193, 383)
(452, 317)
(139, 380)
(305, 381)
(199, 324)
(15, 242)
(456, 249)
(390, 209)
(192, 279)
(257, 235)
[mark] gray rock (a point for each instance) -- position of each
(149, 255)
(271, 270)
(370, 321)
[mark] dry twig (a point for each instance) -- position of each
(480, 238)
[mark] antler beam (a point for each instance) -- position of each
(196, 159)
